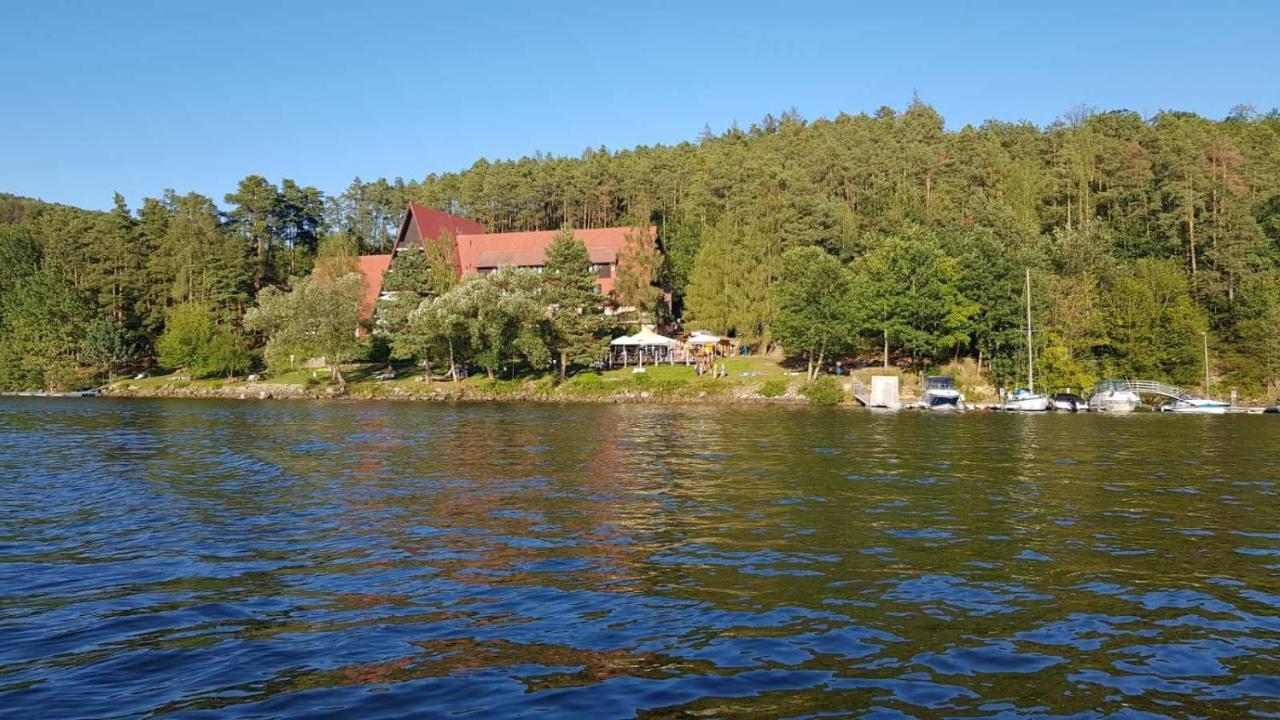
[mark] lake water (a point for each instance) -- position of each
(281, 559)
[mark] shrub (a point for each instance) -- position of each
(825, 390)
(373, 349)
(774, 387)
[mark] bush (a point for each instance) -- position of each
(825, 390)
(774, 387)
(194, 339)
(373, 349)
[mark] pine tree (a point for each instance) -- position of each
(577, 329)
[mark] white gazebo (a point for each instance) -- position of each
(623, 347)
(657, 348)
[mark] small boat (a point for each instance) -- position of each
(940, 393)
(1113, 396)
(1027, 400)
(1067, 402)
(1194, 404)
(1024, 400)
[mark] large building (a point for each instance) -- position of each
(480, 252)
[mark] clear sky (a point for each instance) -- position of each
(138, 96)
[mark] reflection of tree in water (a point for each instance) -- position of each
(542, 667)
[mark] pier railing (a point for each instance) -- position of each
(1155, 387)
(861, 392)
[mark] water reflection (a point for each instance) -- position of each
(298, 559)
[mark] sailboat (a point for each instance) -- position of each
(1026, 399)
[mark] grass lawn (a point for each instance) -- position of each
(657, 380)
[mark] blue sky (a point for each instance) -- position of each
(139, 96)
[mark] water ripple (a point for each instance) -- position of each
(369, 560)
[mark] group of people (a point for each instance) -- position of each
(710, 364)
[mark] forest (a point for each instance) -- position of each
(879, 238)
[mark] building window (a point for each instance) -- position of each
(603, 271)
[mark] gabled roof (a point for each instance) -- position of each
(372, 267)
(432, 223)
(529, 248)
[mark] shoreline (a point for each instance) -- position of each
(730, 395)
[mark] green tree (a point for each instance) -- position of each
(814, 305)
(510, 319)
(318, 317)
(253, 216)
(442, 259)
(731, 288)
(1155, 328)
(906, 294)
(205, 264)
(20, 256)
(195, 338)
(227, 353)
(577, 329)
(638, 266)
(405, 285)
(439, 326)
(108, 347)
(44, 321)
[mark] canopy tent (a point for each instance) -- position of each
(648, 338)
(703, 347)
(700, 337)
(644, 345)
(624, 350)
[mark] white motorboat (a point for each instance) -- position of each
(940, 393)
(1193, 404)
(1113, 396)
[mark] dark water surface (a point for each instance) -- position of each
(283, 559)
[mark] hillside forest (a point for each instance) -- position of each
(880, 238)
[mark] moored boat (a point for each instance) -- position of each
(1113, 396)
(940, 393)
(1024, 400)
(1067, 402)
(1194, 404)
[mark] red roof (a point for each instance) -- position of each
(528, 249)
(433, 223)
(372, 267)
(480, 250)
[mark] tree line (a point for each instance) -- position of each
(1146, 237)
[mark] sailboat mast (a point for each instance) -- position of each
(1031, 370)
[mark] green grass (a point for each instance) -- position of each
(157, 382)
(657, 381)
